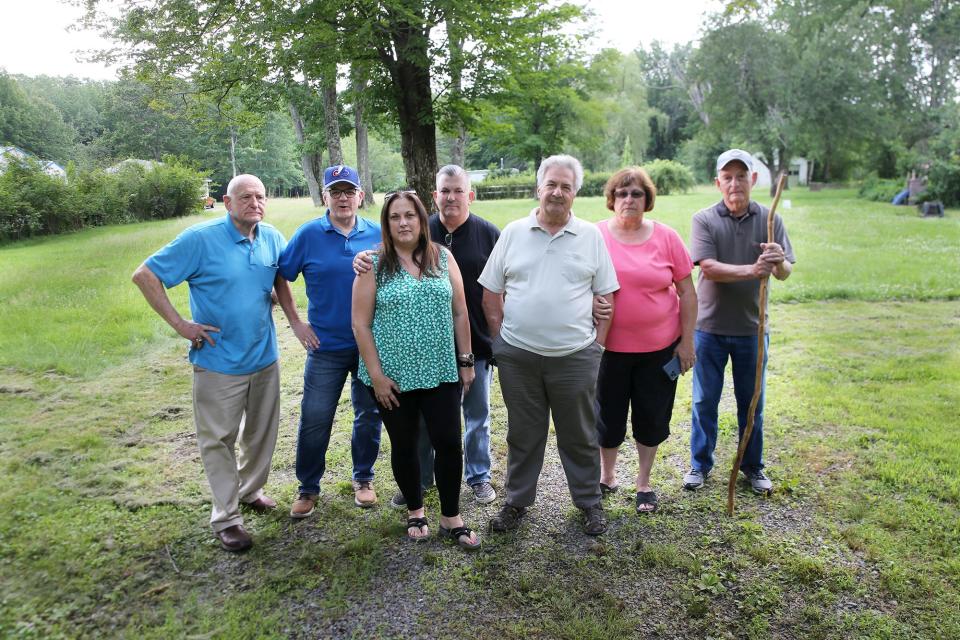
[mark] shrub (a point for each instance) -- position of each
(103, 198)
(670, 176)
(944, 183)
(34, 203)
(880, 190)
(168, 190)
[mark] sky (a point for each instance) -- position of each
(35, 39)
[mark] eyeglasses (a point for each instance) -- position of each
(448, 240)
(636, 194)
(336, 194)
(398, 192)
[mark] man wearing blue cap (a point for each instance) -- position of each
(729, 243)
(323, 250)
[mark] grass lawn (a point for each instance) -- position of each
(104, 527)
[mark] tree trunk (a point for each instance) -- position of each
(359, 86)
(310, 162)
(455, 41)
(410, 73)
(782, 165)
(233, 151)
(331, 117)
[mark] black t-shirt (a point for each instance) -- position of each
(470, 245)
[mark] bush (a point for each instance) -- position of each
(880, 190)
(103, 198)
(671, 177)
(34, 203)
(168, 190)
(944, 183)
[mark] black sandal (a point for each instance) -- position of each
(647, 497)
(418, 523)
(460, 535)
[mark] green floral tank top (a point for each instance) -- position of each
(413, 329)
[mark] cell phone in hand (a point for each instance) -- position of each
(672, 368)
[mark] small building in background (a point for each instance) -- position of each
(49, 167)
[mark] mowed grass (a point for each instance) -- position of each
(104, 526)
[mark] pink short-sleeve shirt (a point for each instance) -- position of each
(646, 314)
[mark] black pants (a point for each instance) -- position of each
(440, 408)
(635, 380)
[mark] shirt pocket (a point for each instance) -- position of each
(575, 269)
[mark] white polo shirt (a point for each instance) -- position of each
(549, 281)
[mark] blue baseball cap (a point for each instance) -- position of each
(340, 173)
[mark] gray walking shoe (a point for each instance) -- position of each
(398, 501)
(484, 492)
(759, 481)
(694, 479)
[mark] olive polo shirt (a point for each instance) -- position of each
(732, 308)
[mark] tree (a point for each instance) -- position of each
(32, 123)
(224, 47)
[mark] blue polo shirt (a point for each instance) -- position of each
(230, 280)
(324, 255)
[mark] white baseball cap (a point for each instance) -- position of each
(730, 155)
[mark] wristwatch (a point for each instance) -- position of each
(465, 360)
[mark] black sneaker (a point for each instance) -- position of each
(508, 518)
(398, 501)
(596, 522)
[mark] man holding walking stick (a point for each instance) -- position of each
(730, 246)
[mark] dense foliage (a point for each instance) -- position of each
(34, 203)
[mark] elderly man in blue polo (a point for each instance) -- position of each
(230, 266)
(323, 250)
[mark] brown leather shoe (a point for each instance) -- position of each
(363, 494)
(303, 506)
(235, 538)
(263, 503)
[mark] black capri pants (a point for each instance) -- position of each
(636, 381)
(440, 408)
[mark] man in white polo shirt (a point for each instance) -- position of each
(539, 285)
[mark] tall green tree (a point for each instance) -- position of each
(32, 123)
(225, 47)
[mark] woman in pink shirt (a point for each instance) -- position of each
(655, 312)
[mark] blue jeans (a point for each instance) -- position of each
(476, 432)
(323, 379)
(713, 351)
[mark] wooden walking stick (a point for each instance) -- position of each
(761, 348)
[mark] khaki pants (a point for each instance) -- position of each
(227, 409)
(534, 388)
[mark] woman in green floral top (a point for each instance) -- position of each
(410, 321)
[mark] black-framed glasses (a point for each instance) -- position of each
(336, 194)
(636, 194)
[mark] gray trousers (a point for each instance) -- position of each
(228, 409)
(533, 388)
